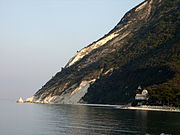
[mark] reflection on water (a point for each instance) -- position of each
(78, 120)
(41, 119)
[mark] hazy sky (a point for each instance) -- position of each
(38, 37)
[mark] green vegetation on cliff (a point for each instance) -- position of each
(150, 58)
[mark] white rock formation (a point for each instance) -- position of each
(20, 100)
(90, 48)
(141, 6)
(30, 99)
(73, 97)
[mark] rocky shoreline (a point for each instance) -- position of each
(123, 107)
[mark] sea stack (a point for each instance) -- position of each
(20, 100)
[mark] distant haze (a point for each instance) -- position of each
(38, 37)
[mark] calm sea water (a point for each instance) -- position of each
(42, 119)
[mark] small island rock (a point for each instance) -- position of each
(20, 100)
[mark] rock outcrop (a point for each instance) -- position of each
(20, 100)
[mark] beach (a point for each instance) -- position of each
(152, 108)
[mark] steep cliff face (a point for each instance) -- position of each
(103, 72)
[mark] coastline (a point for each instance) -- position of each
(122, 107)
(141, 108)
(151, 108)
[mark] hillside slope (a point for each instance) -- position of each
(143, 49)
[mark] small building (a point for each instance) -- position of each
(142, 98)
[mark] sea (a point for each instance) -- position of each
(46, 119)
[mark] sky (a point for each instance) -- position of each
(38, 37)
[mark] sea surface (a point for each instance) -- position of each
(44, 119)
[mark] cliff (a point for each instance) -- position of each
(142, 49)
